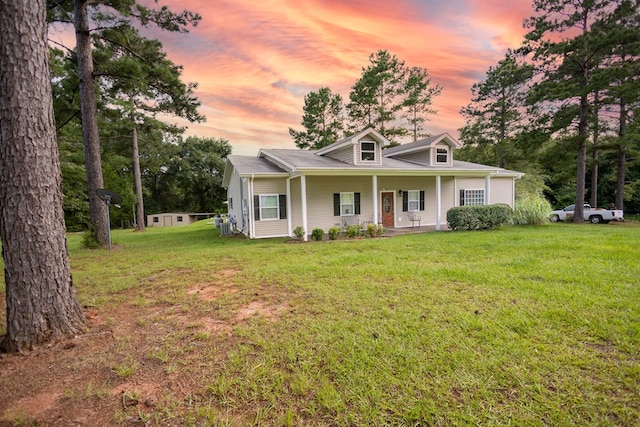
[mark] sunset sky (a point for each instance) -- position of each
(254, 61)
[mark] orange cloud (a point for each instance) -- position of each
(255, 61)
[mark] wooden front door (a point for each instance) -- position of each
(387, 203)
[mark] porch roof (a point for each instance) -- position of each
(307, 162)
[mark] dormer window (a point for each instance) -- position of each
(442, 155)
(368, 151)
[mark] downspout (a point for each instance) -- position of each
(303, 191)
(251, 209)
(375, 199)
(289, 223)
(438, 202)
(242, 214)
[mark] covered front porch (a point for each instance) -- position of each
(321, 201)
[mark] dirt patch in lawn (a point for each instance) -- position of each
(136, 363)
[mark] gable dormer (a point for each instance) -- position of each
(360, 149)
(434, 151)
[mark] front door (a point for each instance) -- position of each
(387, 198)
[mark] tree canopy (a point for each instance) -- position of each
(389, 97)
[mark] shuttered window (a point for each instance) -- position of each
(472, 197)
(270, 207)
(412, 200)
(346, 204)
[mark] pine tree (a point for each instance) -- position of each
(418, 99)
(323, 120)
(378, 96)
(41, 299)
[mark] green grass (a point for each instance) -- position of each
(518, 326)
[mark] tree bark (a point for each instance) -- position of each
(138, 179)
(622, 159)
(578, 215)
(41, 299)
(594, 179)
(88, 109)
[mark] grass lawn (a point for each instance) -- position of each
(518, 326)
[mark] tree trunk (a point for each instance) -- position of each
(622, 159)
(41, 299)
(594, 179)
(578, 215)
(138, 179)
(97, 208)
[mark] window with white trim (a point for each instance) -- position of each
(179, 218)
(472, 197)
(368, 151)
(269, 206)
(442, 155)
(347, 204)
(413, 200)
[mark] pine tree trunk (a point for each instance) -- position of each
(138, 179)
(41, 299)
(622, 159)
(578, 215)
(90, 138)
(594, 179)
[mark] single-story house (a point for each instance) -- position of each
(271, 194)
(171, 219)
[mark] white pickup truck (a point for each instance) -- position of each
(595, 216)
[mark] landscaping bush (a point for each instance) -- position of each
(353, 230)
(317, 234)
(334, 232)
(531, 209)
(299, 232)
(480, 217)
(375, 230)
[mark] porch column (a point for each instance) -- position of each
(303, 198)
(289, 229)
(252, 223)
(375, 198)
(438, 202)
(487, 189)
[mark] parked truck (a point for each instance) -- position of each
(595, 215)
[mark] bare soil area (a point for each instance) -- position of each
(125, 366)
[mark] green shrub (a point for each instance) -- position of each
(480, 217)
(334, 232)
(299, 232)
(353, 230)
(531, 209)
(317, 234)
(90, 239)
(375, 230)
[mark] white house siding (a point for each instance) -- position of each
(271, 227)
(501, 191)
(320, 190)
(296, 203)
(234, 198)
(344, 154)
(447, 196)
(418, 157)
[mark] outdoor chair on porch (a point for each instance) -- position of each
(414, 217)
(348, 220)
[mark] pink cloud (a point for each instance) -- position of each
(255, 61)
